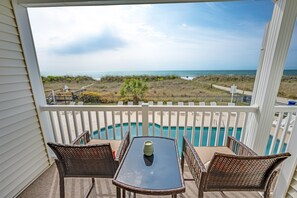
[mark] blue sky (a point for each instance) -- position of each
(190, 36)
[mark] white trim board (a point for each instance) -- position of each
(53, 3)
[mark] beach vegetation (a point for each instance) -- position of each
(66, 79)
(134, 88)
(166, 89)
(145, 78)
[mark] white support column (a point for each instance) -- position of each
(256, 83)
(278, 42)
(24, 28)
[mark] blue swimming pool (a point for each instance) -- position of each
(180, 132)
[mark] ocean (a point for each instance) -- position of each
(181, 73)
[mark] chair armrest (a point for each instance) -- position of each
(85, 137)
(239, 148)
(194, 163)
(123, 147)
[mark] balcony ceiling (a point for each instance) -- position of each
(45, 3)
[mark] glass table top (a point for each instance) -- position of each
(161, 171)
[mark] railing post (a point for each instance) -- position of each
(145, 119)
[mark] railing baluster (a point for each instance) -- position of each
(193, 127)
(177, 124)
(137, 123)
(209, 129)
(53, 126)
(285, 130)
(106, 126)
(98, 124)
(161, 123)
(68, 126)
(61, 127)
(218, 129)
(122, 128)
(129, 121)
(226, 132)
(153, 114)
(201, 129)
(113, 126)
(90, 123)
(276, 132)
(82, 119)
(186, 123)
(169, 123)
(75, 123)
(243, 129)
(235, 124)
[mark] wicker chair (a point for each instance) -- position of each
(241, 169)
(91, 160)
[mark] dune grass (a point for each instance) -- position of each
(169, 88)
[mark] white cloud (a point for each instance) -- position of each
(147, 48)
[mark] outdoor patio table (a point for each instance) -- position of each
(159, 174)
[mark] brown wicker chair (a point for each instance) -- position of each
(239, 170)
(91, 161)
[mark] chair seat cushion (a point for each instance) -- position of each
(114, 144)
(206, 153)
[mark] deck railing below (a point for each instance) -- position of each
(204, 125)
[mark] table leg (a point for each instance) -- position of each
(174, 196)
(118, 192)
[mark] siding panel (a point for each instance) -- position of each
(8, 29)
(9, 37)
(7, 20)
(17, 118)
(15, 111)
(13, 79)
(20, 103)
(6, 3)
(6, 62)
(6, 88)
(19, 145)
(10, 46)
(17, 164)
(8, 130)
(6, 11)
(14, 95)
(17, 131)
(11, 55)
(22, 151)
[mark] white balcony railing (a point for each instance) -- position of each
(282, 128)
(205, 125)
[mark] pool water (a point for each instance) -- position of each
(173, 130)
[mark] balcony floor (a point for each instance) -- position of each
(47, 185)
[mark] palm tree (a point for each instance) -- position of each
(135, 88)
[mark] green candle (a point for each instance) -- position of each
(148, 148)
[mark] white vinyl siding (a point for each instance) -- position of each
(23, 154)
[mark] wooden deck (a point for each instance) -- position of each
(47, 186)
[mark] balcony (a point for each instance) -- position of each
(111, 122)
(27, 123)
